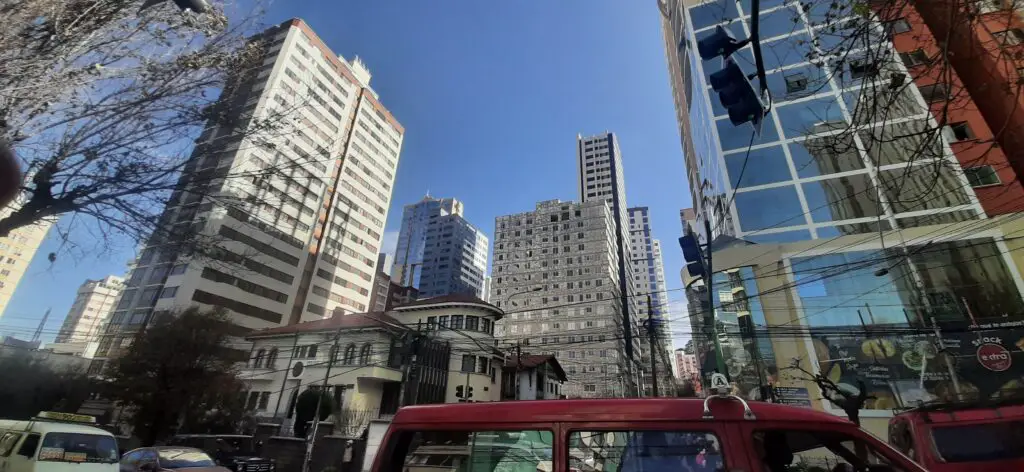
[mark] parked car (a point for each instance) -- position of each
(238, 452)
(169, 458)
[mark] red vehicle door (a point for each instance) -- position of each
(778, 446)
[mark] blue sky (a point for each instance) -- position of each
(492, 95)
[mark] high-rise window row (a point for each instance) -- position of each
(291, 220)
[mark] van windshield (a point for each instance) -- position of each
(78, 447)
(980, 442)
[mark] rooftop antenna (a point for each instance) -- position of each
(39, 329)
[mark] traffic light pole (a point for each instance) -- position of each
(651, 334)
(709, 274)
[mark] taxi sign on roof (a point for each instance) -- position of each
(71, 417)
(718, 381)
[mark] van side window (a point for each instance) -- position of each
(28, 446)
(636, 451)
(7, 442)
(789, 450)
(489, 451)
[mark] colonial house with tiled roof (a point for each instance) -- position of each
(363, 357)
(532, 377)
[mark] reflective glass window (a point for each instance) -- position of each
(783, 237)
(922, 187)
(875, 103)
(845, 198)
(778, 22)
(739, 137)
(936, 219)
(763, 4)
(712, 13)
(827, 12)
(852, 228)
(902, 142)
(763, 166)
(783, 87)
(825, 155)
(769, 208)
(964, 285)
(809, 117)
(787, 51)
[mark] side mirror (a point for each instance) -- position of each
(147, 467)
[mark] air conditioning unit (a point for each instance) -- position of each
(296, 371)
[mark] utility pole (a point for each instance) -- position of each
(651, 335)
(39, 329)
(319, 402)
(411, 346)
(284, 380)
(519, 366)
(709, 283)
(699, 264)
(949, 365)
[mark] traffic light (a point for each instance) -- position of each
(735, 91)
(738, 95)
(720, 43)
(693, 255)
(470, 393)
(458, 391)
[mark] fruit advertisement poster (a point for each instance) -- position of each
(902, 370)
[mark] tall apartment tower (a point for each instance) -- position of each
(16, 252)
(305, 238)
(89, 312)
(555, 274)
(648, 279)
(438, 251)
(599, 166)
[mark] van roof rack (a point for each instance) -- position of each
(720, 389)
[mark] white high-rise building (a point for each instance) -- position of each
(89, 312)
(648, 278)
(16, 252)
(304, 233)
(599, 166)
(555, 274)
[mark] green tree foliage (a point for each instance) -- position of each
(39, 385)
(305, 408)
(179, 372)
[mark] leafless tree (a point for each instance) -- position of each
(102, 102)
(850, 402)
(351, 422)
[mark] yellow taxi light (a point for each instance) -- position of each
(59, 416)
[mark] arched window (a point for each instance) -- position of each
(350, 354)
(335, 350)
(272, 358)
(364, 354)
(257, 360)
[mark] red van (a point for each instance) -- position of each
(720, 433)
(962, 437)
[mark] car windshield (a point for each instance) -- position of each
(237, 446)
(980, 442)
(78, 447)
(184, 458)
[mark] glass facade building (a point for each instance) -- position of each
(841, 162)
(823, 165)
(438, 251)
